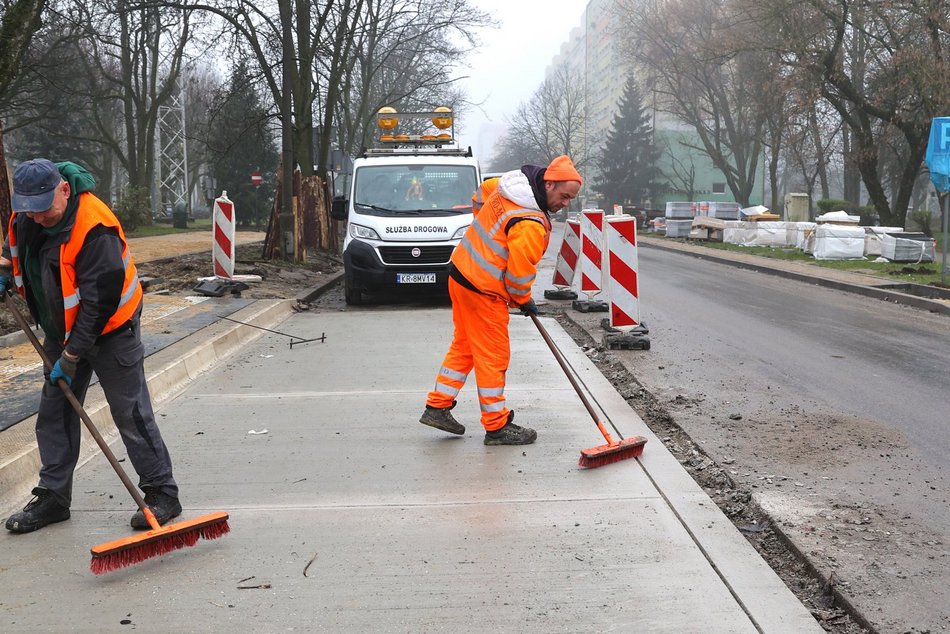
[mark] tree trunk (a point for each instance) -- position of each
(5, 211)
(820, 160)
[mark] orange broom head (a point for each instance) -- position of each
(605, 454)
(155, 543)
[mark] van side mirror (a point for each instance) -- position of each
(338, 208)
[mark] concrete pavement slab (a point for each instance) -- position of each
(165, 320)
(348, 515)
(168, 369)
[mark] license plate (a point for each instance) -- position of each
(415, 278)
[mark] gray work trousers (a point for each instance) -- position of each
(118, 360)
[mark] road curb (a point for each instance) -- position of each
(310, 294)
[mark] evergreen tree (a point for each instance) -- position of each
(628, 163)
(240, 141)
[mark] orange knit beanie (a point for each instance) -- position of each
(562, 169)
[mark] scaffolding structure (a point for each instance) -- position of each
(172, 147)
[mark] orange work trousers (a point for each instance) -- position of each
(480, 342)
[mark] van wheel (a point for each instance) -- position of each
(352, 296)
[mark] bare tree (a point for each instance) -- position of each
(883, 66)
(20, 21)
(511, 152)
(705, 80)
(403, 56)
(553, 120)
(131, 58)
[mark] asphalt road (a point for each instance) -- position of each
(830, 406)
(854, 355)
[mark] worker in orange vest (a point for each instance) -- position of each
(66, 254)
(491, 270)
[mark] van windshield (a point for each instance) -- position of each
(397, 190)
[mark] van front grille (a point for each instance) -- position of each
(428, 255)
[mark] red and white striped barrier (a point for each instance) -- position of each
(566, 264)
(222, 250)
(622, 266)
(592, 254)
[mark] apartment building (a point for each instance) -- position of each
(594, 55)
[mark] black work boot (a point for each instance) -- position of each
(163, 506)
(511, 434)
(43, 509)
(441, 418)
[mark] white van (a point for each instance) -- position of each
(408, 204)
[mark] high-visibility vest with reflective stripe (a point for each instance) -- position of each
(482, 255)
(15, 257)
(91, 212)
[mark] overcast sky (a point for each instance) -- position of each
(510, 64)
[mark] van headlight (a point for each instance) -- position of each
(365, 233)
(461, 232)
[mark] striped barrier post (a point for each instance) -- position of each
(222, 253)
(622, 265)
(591, 260)
(624, 328)
(224, 280)
(566, 264)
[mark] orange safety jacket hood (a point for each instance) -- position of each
(91, 213)
(483, 257)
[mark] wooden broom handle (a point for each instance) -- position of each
(567, 371)
(133, 491)
(574, 384)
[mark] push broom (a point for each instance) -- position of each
(155, 542)
(613, 451)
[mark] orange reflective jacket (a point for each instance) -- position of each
(499, 257)
(91, 213)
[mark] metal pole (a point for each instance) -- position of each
(946, 212)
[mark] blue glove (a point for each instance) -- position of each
(529, 308)
(63, 369)
(6, 282)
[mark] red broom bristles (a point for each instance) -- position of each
(607, 454)
(133, 550)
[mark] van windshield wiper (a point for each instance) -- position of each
(375, 207)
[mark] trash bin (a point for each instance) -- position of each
(180, 216)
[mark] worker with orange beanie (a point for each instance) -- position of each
(491, 270)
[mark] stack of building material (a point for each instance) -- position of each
(838, 218)
(804, 231)
(757, 213)
(680, 210)
(872, 239)
(678, 227)
(907, 247)
(707, 228)
(739, 232)
(724, 210)
(770, 234)
(839, 242)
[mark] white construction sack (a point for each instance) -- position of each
(739, 232)
(839, 242)
(770, 234)
(872, 239)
